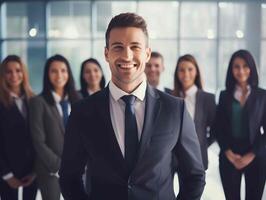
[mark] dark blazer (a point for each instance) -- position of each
(16, 150)
(204, 118)
(90, 138)
(47, 130)
(256, 109)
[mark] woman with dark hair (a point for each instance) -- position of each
(200, 104)
(91, 77)
(240, 116)
(16, 149)
(48, 116)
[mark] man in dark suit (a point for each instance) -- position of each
(129, 134)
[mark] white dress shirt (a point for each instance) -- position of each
(117, 111)
(238, 92)
(190, 100)
(57, 100)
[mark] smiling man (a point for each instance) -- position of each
(129, 134)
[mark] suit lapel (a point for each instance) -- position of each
(152, 110)
(250, 108)
(198, 106)
(115, 154)
(58, 117)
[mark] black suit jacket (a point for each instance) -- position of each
(16, 150)
(90, 139)
(256, 109)
(204, 118)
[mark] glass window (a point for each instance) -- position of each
(69, 19)
(161, 18)
(98, 53)
(23, 20)
(75, 51)
(168, 48)
(33, 55)
(232, 19)
(206, 58)
(263, 64)
(226, 49)
(263, 20)
(105, 10)
(199, 22)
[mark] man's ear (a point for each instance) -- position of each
(148, 53)
(106, 51)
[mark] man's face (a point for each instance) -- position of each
(127, 55)
(153, 70)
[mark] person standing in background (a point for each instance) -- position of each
(16, 150)
(91, 81)
(153, 70)
(200, 104)
(48, 117)
(241, 115)
(91, 77)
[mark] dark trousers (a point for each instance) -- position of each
(8, 193)
(254, 173)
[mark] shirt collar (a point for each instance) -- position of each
(238, 91)
(15, 96)
(57, 98)
(139, 92)
(192, 91)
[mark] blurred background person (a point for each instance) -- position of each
(153, 70)
(48, 116)
(91, 80)
(240, 115)
(91, 77)
(16, 149)
(200, 104)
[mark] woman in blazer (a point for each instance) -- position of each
(91, 77)
(16, 150)
(200, 104)
(91, 80)
(241, 115)
(48, 116)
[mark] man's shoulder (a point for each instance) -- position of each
(168, 98)
(90, 103)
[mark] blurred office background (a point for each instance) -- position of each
(211, 30)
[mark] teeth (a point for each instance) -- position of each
(127, 65)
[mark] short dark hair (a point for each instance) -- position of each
(125, 20)
(253, 79)
(156, 54)
(83, 83)
(48, 87)
(178, 88)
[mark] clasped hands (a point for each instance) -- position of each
(15, 183)
(239, 161)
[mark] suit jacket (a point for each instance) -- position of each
(16, 150)
(90, 139)
(256, 109)
(47, 131)
(204, 117)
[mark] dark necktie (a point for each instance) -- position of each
(131, 132)
(64, 106)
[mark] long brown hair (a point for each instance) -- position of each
(178, 88)
(5, 97)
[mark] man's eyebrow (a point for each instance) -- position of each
(116, 43)
(135, 43)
